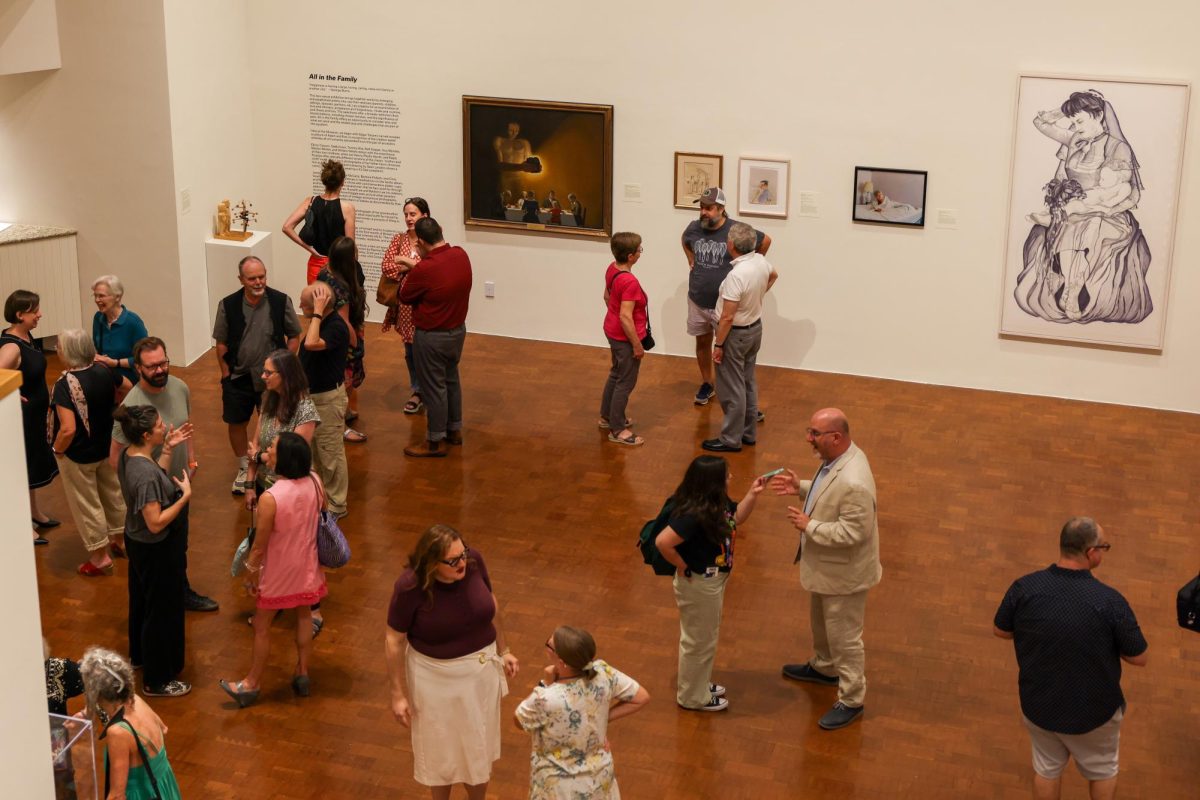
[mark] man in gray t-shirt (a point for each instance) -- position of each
(705, 245)
(173, 401)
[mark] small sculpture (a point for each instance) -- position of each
(245, 215)
(243, 212)
(223, 219)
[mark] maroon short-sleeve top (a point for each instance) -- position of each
(459, 620)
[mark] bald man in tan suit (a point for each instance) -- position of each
(839, 561)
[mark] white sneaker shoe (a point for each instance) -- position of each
(239, 482)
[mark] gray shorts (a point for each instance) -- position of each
(1095, 752)
(701, 321)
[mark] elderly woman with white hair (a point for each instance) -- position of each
(115, 329)
(83, 400)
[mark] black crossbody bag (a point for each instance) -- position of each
(648, 339)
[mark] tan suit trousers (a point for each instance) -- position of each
(837, 627)
(94, 497)
(329, 448)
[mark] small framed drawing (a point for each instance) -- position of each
(763, 187)
(889, 196)
(695, 172)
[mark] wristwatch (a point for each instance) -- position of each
(720, 345)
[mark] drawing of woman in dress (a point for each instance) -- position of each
(1085, 257)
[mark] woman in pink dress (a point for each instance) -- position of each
(401, 256)
(282, 564)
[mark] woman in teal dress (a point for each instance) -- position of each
(135, 762)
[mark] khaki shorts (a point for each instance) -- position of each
(1095, 752)
(701, 321)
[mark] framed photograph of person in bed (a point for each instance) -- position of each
(889, 196)
(763, 187)
(533, 165)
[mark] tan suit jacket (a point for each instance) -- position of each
(839, 550)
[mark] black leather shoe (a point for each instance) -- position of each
(805, 672)
(717, 446)
(50, 522)
(839, 716)
(193, 601)
(454, 437)
(749, 442)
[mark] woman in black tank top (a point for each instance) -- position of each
(331, 218)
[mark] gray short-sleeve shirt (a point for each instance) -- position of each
(258, 338)
(712, 262)
(174, 406)
(143, 482)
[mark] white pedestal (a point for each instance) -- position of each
(221, 257)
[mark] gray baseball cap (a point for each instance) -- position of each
(712, 194)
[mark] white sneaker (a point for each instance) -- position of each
(716, 690)
(239, 482)
(714, 704)
(168, 689)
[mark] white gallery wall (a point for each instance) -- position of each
(919, 85)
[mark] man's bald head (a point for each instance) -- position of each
(831, 419)
(828, 433)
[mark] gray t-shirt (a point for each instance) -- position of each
(174, 406)
(712, 260)
(142, 482)
(257, 339)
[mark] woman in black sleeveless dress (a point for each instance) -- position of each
(331, 218)
(19, 350)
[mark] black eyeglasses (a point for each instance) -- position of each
(159, 367)
(550, 645)
(270, 371)
(458, 559)
(814, 433)
(1105, 546)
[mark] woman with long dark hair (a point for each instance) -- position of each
(345, 278)
(283, 567)
(401, 256)
(568, 716)
(699, 540)
(443, 626)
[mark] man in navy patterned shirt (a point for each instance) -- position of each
(1071, 634)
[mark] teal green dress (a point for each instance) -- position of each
(138, 786)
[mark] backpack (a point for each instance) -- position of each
(649, 533)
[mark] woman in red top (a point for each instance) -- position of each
(443, 608)
(624, 325)
(401, 256)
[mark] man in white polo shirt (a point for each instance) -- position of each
(738, 338)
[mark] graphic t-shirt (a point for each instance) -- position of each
(713, 261)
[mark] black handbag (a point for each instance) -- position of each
(308, 234)
(1187, 605)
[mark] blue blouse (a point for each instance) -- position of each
(117, 340)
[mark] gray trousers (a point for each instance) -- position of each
(621, 380)
(436, 355)
(736, 385)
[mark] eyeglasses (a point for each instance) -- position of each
(550, 646)
(458, 559)
(270, 371)
(1105, 546)
(814, 433)
(161, 366)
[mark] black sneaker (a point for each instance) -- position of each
(168, 689)
(805, 672)
(716, 690)
(714, 704)
(839, 716)
(193, 601)
(704, 394)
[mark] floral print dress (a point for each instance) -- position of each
(569, 724)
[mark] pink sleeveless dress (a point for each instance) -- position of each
(291, 575)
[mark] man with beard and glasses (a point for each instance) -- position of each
(704, 244)
(173, 401)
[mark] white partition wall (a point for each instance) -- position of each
(25, 735)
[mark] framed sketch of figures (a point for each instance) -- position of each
(695, 172)
(763, 187)
(1092, 209)
(535, 165)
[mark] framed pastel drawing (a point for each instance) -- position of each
(763, 187)
(533, 165)
(695, 172)
(1093, 200)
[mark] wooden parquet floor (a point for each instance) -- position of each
(973, 487)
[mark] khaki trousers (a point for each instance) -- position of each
(329, 449)
(837, 626)
(94, 497)
(699, 601)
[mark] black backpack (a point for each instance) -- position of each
(650, 532)
(1187, 605)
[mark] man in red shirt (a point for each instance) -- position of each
(438, 289)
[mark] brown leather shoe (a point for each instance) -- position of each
(454, 437)
(426, 449)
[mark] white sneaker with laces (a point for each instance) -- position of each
(239, 482)
(168, 689)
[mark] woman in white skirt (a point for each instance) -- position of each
(568, 715)
(455, 661)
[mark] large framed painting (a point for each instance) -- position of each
(890, 196)
(1096, 167)
(695, 172)
(532, 165)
